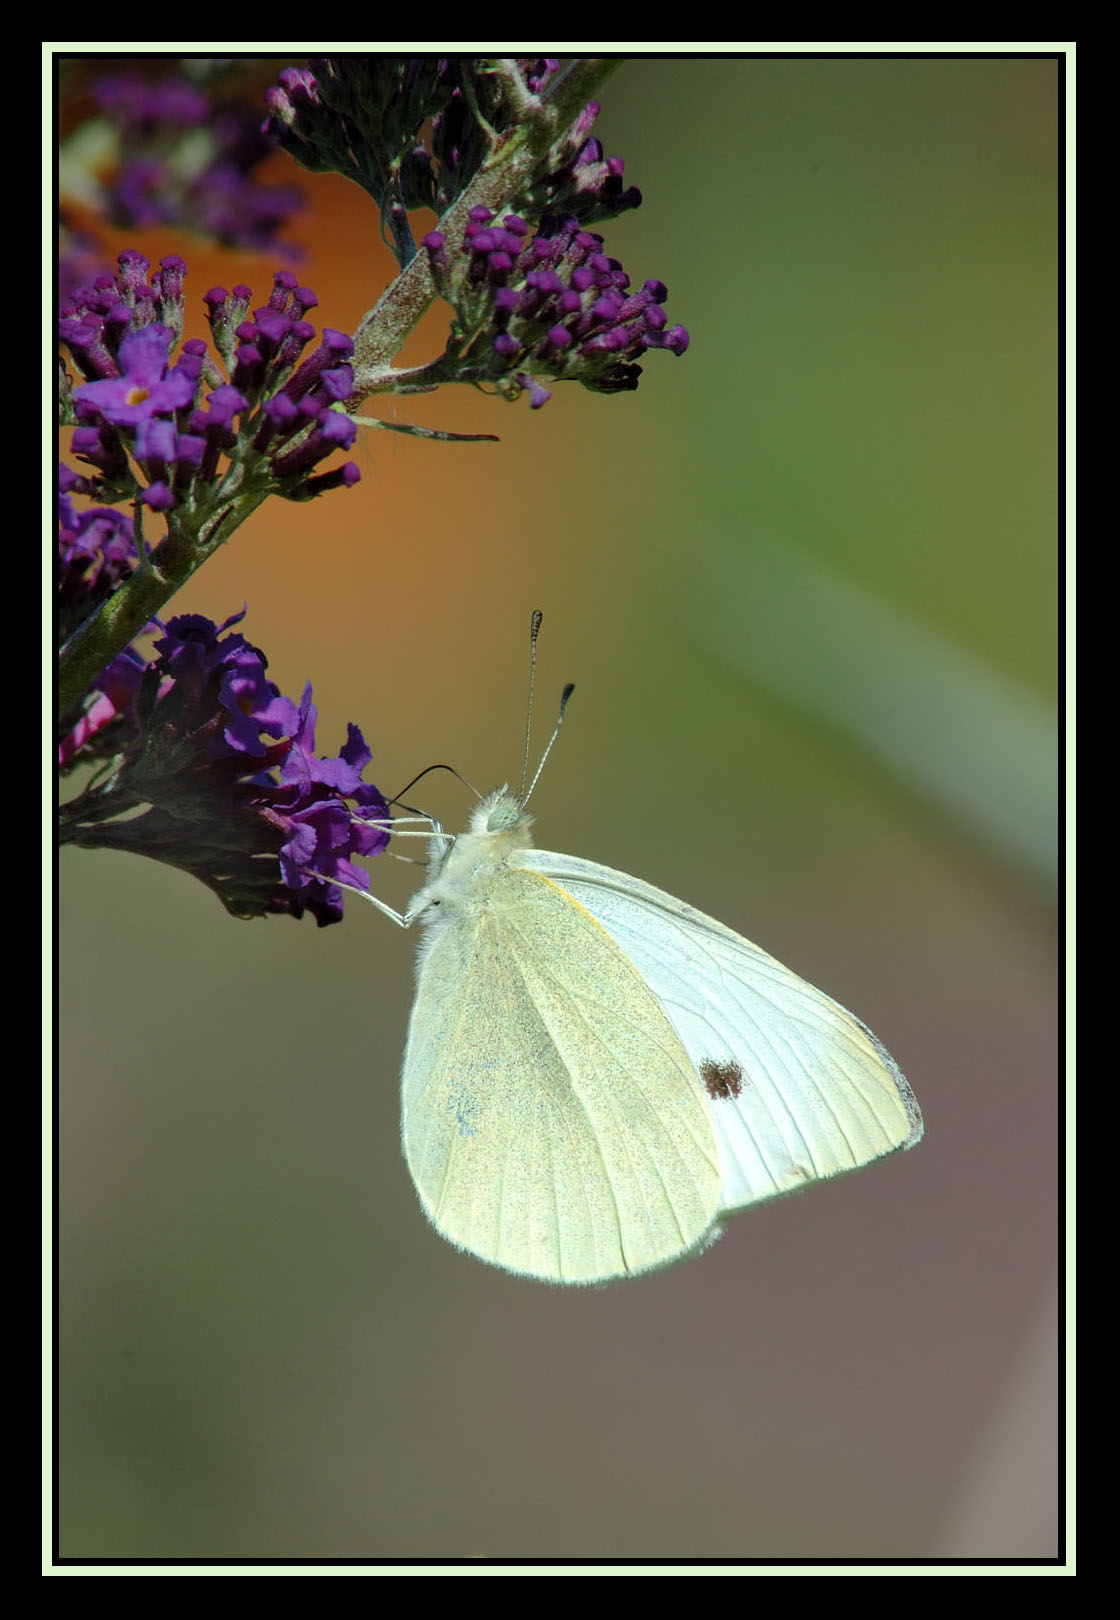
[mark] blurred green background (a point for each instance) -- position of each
(806, 582)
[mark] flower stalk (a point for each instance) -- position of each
(515, 158)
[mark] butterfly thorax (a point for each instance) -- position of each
(499, 828)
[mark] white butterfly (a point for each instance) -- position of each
(596, 1074)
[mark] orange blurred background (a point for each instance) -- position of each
(805, 581)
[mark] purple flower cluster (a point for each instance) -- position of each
(414, 132)
(181, 424)
(95, 317)
(362, 116)
(538, 72)
(105, 725)
(226, 766)
(577, 180)
(552, 307)
(290, 397)
(95, 551)
(189, 160)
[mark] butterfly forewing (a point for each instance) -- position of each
(552, 1120)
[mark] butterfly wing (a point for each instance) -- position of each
(798, 1088)
(552, 1121)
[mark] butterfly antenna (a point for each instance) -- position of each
(534, 632)
(398, 797)
(564, 696)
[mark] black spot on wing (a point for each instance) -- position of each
(722, 1077)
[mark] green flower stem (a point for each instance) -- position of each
(507, 172)
(120, 620)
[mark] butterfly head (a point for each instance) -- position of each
(501, 813)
